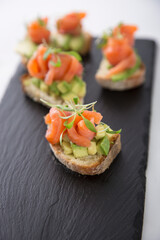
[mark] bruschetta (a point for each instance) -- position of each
(121, 67)
(54, 75)
(70, 35)
(37, 33)
(79, 139)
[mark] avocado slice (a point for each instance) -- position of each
(103, 146)
(64, 87)
(92, 149)
(76, 43)
(53, 88)
(79, 151)
(26, 48)
(67, 148)
(100, 131)
(78, 86)
(44, 87)
(68, 96)
(62, 40)
(82, 90)
(128, 72)
(36, 82)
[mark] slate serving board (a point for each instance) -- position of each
(41, 199)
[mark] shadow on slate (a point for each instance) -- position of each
(41, 199)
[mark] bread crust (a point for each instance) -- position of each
(24, 60)
(36, 94)
(134, 81)
(90, 165)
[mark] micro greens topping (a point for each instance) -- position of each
(75, 99)
(88, 124)
(75, 108)
(58, 50)
(74, 54)
(69, 125)
(56, 64)
(113, 132)
(102, 41)
(120, 24)
(61, 136)
(41, 22)
(108, 130)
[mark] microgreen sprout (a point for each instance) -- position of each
(108, 130)
(56, 64)
(102, 41)
(41, 22)
(75, 108)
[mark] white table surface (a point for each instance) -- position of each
(101, 14)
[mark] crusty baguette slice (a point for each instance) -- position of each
(90, 165)
(134, 81)
(36, 94)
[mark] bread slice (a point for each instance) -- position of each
(90, 165)
(36, 94)
(134, 81)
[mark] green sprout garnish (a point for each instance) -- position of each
(102, 41)
(41, 22)
(107, 129)
(76, 108)
(56, 64)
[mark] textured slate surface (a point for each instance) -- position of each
(41, 199)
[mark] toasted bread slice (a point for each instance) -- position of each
(36, 94)
(90, 165)
(134, 81)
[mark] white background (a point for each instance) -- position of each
(101, 14)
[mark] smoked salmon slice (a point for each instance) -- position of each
(78, 133)
(56, 127)
(127, 31)
(71, 23)
(123, 65)
(38, 31)
(46, 68)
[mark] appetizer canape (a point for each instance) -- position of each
(37, 33)
(54, 75)
(121, 67)
(70, 35)
(79, 139)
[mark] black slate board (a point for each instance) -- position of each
(41, 199)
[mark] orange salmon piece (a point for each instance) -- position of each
(38, 32)
(84, 131)
(123, 65)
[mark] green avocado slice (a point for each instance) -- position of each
(103, 146)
